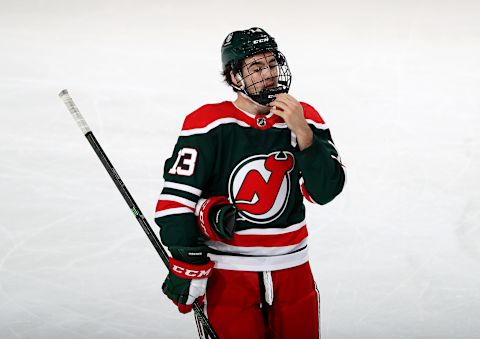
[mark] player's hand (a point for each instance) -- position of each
(216, 218)
(288, 108)
(187, 279)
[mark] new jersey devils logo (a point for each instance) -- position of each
(260, 186)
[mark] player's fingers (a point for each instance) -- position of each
(279, 104)
(280, 98)
(288, 101)
(287, 98)
(278, 112)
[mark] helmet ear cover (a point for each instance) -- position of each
(239, 77)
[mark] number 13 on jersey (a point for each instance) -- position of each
(185, 163)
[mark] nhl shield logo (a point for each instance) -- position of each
(260, 186)
(261, 122)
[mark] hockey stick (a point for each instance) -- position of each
(77, 116)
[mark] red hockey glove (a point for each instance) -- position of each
(216, 218)
(187, 279)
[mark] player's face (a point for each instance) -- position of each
(259, 72)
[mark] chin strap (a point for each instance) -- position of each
(264, 97)
(267, 95)
(246, 96)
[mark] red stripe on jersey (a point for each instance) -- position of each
(311, 113)
(167, 204)
(305, 193)
(269, 240)
(210, 113)
(207, 114)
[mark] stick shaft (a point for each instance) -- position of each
(82, 124)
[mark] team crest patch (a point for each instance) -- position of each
(260, 186)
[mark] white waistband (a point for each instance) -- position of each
(261, 263)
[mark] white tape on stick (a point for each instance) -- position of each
(72, 108)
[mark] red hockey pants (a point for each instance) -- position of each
(237, 308)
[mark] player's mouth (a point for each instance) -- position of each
(270, 85)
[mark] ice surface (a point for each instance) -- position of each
(396, 256)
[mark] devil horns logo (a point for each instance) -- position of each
(260, 186)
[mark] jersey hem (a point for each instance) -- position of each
(260, 264)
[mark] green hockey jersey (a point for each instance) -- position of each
(254, 160)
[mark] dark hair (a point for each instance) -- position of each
(227, 76)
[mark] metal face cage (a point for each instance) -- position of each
(264, 75)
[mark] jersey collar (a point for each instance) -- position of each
(260, 121)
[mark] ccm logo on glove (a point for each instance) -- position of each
(201, 219)
(184, 270)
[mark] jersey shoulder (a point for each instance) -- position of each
(207, 114)
(311, 113)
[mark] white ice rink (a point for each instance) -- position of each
(396, 256)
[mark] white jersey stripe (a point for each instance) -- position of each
(183, 201)
(259, 264)
(259, 250)
(293, 139)
(317, 124)
(183, 187)
(172, 211)
(272, 231)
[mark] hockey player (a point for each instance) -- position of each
(231, 210)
